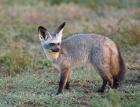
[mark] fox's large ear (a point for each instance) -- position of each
(60, 28)
(59, 31)
(43, 33)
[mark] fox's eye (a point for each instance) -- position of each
(58, 44)
(52, 44)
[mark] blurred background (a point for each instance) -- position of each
(25, 74)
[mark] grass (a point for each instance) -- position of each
(34, 89)
(27, 79)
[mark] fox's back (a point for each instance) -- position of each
(84, 40)
(79, 47)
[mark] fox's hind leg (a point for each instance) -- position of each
(115, 83)
(102, 88)
(101, 61)
(107, 79)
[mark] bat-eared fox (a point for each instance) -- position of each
(97, 50)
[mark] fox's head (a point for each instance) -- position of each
(51, 40)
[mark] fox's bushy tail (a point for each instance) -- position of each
(121, 68)
(120, 77)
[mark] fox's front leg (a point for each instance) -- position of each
(68, 81)
(63, 79)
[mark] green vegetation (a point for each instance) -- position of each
(27, 79)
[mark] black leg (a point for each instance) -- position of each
(63, 80)
(68, 81)
(102, 88)
(115, 83)
(61, 83)
(110, 82)
(67, 85)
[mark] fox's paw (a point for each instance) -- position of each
(100, 90)
(59, 92)
(67, 86)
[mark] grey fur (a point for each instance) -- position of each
(85, 48)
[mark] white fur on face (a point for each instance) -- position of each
(57, 38)
(40, 37)
(51, 39)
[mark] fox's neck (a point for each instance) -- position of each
(56, 58)
(53, 55)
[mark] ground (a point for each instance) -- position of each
(27, 78)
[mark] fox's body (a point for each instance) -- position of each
(99, 51)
